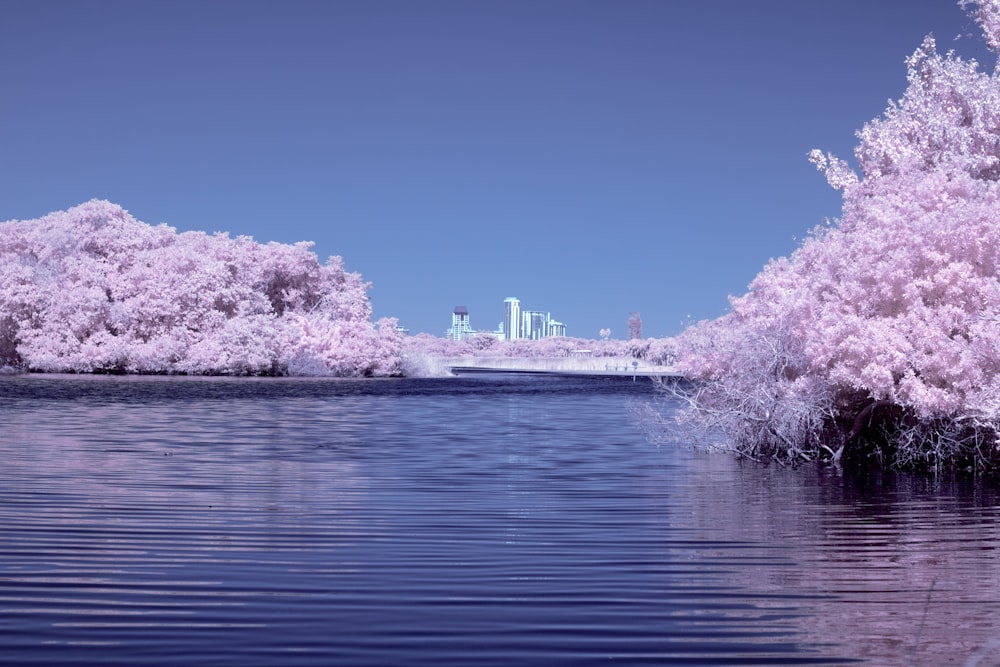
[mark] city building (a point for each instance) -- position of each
(460, 326)
(516, 324)
(528, 324)
(512, 329)
(554, 328)
(533, 324)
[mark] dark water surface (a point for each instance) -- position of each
(461, 521)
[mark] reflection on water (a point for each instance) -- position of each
(459, 521)
(899, 569)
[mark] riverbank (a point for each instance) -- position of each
(607, 366)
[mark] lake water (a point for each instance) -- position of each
(486, 520)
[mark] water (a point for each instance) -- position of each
(461, 521)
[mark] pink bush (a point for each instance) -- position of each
(653, 350)
(93, 289)
(880, 336)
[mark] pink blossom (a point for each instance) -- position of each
(93, 289)
(877, 336)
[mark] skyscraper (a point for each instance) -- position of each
(533, 326)
(460, 326)
(512, 318)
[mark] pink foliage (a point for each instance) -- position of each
(880, 334)
(93, 289)
(987, 13)
(653, 350)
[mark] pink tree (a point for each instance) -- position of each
(93, 289)
(657, 351)
(879, 336)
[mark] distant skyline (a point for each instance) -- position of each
(609, 156)
(517, 322)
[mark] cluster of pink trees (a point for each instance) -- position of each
(880, 336)
(652, 350)
(92, 289)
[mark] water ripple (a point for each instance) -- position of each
(170, 521)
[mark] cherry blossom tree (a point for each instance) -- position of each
(92, 289)
(878, 338)
(654, 351)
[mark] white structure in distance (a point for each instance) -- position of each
(527, 324)
(460, 325)
(516, 323)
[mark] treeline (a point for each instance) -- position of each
(92, 289)
(656, 351)
(878, 340)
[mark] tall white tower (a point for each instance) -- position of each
(512, 318)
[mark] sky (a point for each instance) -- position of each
(593, 158)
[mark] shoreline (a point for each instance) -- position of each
(592, 366)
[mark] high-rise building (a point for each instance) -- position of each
(533, 324)
(512, 318)
(554, 328)
(526, 324)
(460, 326)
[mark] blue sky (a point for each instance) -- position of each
(592, 158)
